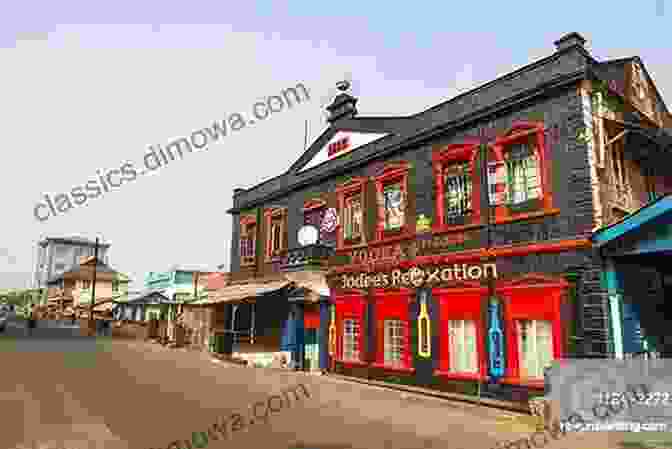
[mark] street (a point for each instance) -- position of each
(67, 389)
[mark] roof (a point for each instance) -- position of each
(240, 292)
(73, 241)
(100, 268)
(149, 297)
(646, 214)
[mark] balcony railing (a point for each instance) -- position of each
(316, 254)
(621, 196)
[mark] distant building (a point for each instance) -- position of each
(56, 255)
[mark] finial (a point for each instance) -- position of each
(343, 85)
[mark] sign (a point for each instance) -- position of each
(329, 221)
(308, 235)
(420, 276)
(341, 143)
(339, 146)
(495, 341)
(411, 248)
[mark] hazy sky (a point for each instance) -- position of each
(87, 86)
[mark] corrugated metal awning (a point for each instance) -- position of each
(241, 292)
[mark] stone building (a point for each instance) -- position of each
(456, 242)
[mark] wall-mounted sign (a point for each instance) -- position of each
(339, 146)
(420, 276)
(341, 143)
(411, 248)
(308, 235)
(424, 328)
(495, 341)
(329, 221)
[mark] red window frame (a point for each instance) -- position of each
(393, 304)
(463, 303)
(352, 187)
(518, 131)
(391, 174)
(244, 222)
(532, 297)
(350, 306)
(269, 216)
(441, 159)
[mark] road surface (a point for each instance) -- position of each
(68, 392)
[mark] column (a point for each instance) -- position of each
(298, 350)
(323, 336)
(614, 295)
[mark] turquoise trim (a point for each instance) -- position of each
(633, 221)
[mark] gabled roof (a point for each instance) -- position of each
(149, 297)
(633, 221)
(101, 267)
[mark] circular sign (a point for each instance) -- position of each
(308, 235)
(329, 221)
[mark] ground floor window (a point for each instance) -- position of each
(351, 332)
(535, 347)
(463, 355)
(394, 342)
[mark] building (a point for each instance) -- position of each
(56, 255)
(177, 283)
(638, 280)
(73, 290)
(456, 242)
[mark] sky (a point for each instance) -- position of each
(89, 86)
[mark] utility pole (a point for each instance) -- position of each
(93, 286)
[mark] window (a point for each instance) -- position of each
(248, 241)
(393, 197)
(463, 354)
(457, 190)
(391, 192)
(522, 169)
(86, 285)
(115, 286)
(351, 339)
(275, 228)
(394, 342)
(535, 347)
(353, 217)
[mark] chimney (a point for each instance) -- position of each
(570, 40)
(343, 105)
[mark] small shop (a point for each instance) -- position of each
(638, 279)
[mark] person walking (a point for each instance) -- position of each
(32, 322)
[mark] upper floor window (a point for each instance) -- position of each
(522, 168)
(353, 217)
(391, 190)
(86, 285)
(351, 201)
(248, 240)
(457, 189)
(276, 230)
(115, 286)
(393, 195)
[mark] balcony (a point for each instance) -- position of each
(621, 196)
(311, 255)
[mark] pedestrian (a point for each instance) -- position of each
(31, 321)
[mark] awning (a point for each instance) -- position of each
(241, 292)
(315, 281)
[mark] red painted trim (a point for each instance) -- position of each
(311, 320)
(460, 376)
(471, 255)
(313, 204)
(350, 363)
(396, 172)
(392, 304)
(525, 383)
(353, 186)
(393, 368)
(461, 152)
(350, 306)
(461, 304)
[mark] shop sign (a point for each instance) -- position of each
(417, 277)
(412, 248)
